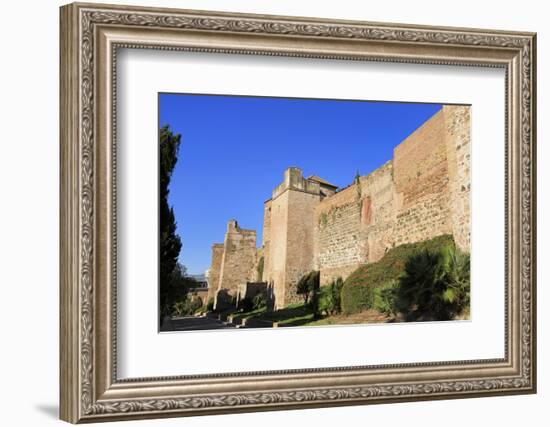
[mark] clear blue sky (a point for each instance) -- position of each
(234, 151)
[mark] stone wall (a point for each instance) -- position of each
(238, 259)
(379, 206)
(289, 253)
(299, 241)
(200, 293)
(249, 290)
(420, 174)
(215, 269)
(277, 250)
(338, 244)
(457, 128)
(266, 242)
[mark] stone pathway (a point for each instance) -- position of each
(192, 323)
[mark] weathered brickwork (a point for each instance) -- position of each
(338, 244)
(421, 181)
(422, 192)
(378, 211)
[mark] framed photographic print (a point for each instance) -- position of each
(265, 212)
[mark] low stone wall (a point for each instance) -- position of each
(250, 290)
(202, 293)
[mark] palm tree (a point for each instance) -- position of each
(435, 285)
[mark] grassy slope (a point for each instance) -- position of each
(293, 315)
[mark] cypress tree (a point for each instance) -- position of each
(171, 273)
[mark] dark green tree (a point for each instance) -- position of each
(171, 272)
(308, 285)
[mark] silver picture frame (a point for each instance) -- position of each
(90, 37)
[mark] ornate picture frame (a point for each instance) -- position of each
(90, 37)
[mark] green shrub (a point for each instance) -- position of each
(435, 285)
(458, 279)
(187, 306)
(179, 308)
(259, 301)
(385, 297)
(210, 304)
(358, 290)
(325, 302)
(329, 298)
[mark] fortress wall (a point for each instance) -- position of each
(252, 275)
(239, 257)
(457, 127)
(355, 225)
(421, 193)
(378, 212)
(266, 241)
(291, 233)
(266, 255)
(299, 241)
(266, 231)
(421, 181)
(337, 224)
(255, 274)
(215, 269)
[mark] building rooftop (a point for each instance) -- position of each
(321, 181)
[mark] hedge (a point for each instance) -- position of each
(358, 290)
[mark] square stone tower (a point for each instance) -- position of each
(288, 235)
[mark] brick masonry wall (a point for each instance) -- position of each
(420, 175)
